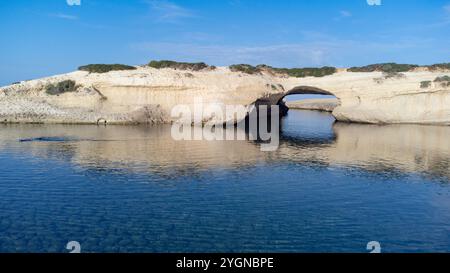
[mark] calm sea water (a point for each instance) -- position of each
(330, 187)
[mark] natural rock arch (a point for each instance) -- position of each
(275, 99)
(102, 121)
(304, 90)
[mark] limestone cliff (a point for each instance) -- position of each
(147, 95)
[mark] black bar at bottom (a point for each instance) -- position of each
(224, 262)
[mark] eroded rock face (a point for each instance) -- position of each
(148, 95)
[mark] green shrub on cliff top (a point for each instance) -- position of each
(442, 79)
(307, 72)
(292, 72)
(179, 65)
(393, 75)
(105, 68)
(245, 68)
(384, 67)
(394, 67)
(445, 66)
(425, 84)
(61, 87)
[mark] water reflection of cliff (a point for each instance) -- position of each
(405, 148)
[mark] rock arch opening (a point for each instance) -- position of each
(308, 98)
(278, 99)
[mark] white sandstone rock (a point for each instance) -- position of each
(148, 95)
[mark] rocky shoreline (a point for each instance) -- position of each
(146, 95)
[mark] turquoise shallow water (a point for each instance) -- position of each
(330, 187)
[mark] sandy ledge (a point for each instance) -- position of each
(324, 105)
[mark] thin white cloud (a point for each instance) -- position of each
(226, 55)
(374, 2)
(447, 9)
(166, 11)
(318, 52)
(64, 16)
(235, 2)
(345, 13)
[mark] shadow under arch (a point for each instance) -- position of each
(303, 90)
(308, 90)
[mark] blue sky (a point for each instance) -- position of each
(46, 37)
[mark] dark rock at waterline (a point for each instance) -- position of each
(44, 139)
